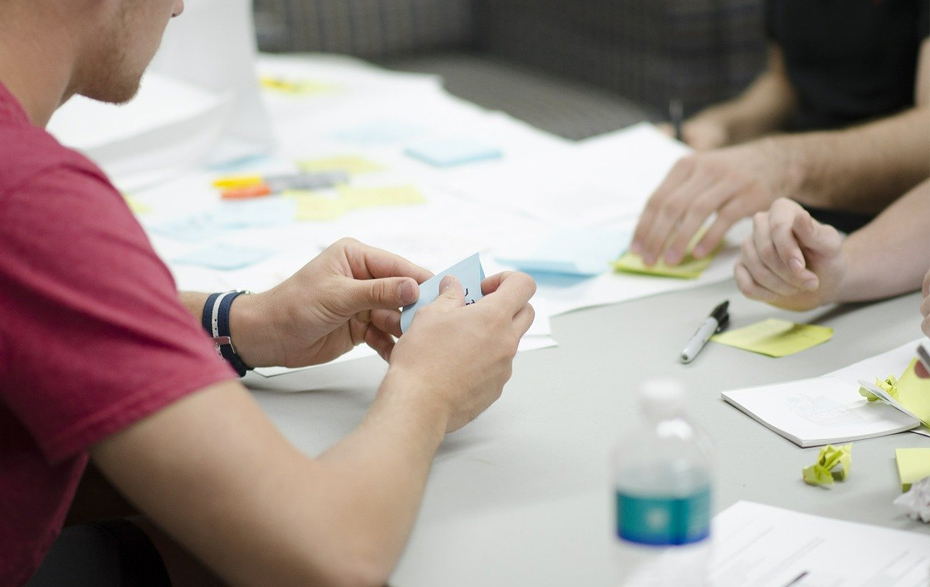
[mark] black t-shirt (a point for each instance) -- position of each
(849, 60)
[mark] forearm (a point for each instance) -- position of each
(218, 477)
(891, 254)
(861, 169)
(765, 107)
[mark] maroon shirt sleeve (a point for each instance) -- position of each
(93, 335)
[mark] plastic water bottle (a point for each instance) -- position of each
(663, 476)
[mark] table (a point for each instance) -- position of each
(522, 495)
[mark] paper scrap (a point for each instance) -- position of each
(468, 271)
(775, 338)
(916, 502)
(223, 257)
(312, 207)
(582, 252)
(913, 465)
(822, 473)
(350, 164)
(355, 197)
(449, 151)
(294, 87)
(888, 385)
(193, 228)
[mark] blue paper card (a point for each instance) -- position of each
(580, 252)
(446, 152)
(224, 257)
(468, 271)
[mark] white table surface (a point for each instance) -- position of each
(522, 496)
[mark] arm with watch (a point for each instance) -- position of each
(227, 494)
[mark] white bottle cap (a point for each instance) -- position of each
(662, 398)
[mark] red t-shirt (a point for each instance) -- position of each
(93, 336)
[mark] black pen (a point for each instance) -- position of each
(717, 321)
(676, 114)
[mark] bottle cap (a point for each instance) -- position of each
(662, 397)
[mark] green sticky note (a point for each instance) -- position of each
(349, 164)
(830, 457)
(775, 338)
(296, 87)
(913, 465)
(380, 196)
(914, 393)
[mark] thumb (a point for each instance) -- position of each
(820, 239)
(451, 294)
(388, 293)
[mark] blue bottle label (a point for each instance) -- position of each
(662, 521)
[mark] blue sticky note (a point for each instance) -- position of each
(262, 212)
(469, 272)
(580, 252)
(224, 257)
(195, 228)
(380, 132)
(446, 152)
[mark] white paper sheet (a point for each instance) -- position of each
(829, 409)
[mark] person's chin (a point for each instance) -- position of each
(114, 94)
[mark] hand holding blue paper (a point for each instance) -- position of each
(468, 271)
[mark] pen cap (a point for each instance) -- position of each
(662, 398)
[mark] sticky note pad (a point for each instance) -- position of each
(194, 228)
(347, 163)
(689, 268)
(581, 252)
(263, 212)
(775, 338)
(468, 271)
(914, 393)
(380, 196)
(224, 257)
(446, 152)
(913, 465)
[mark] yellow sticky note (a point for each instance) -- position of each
(349, 164)
(822, 472)
(389, 196)
(913, 465)
(313, 207)
(136, 206)
(301, 87)
(775, 338)
(914, 393)
(689, 268)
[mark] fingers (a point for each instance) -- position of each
(666, 129)
(387, 321)
(921, 371)
(511, 289)
(820, 239)
(642, 240)
(925, 311)
(380, 341)
(926, 287)
(371, 263)
(524, 319)
(695, 217)
(451, 294)
(387, 294)
(760, 272)
(777, 248)
(748, 286)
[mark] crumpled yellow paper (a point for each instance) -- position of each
(822, 473)
(889, 386)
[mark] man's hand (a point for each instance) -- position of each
(791, 261)
(732, 183)
(459, 357)
(349, 294)
(700, 133)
